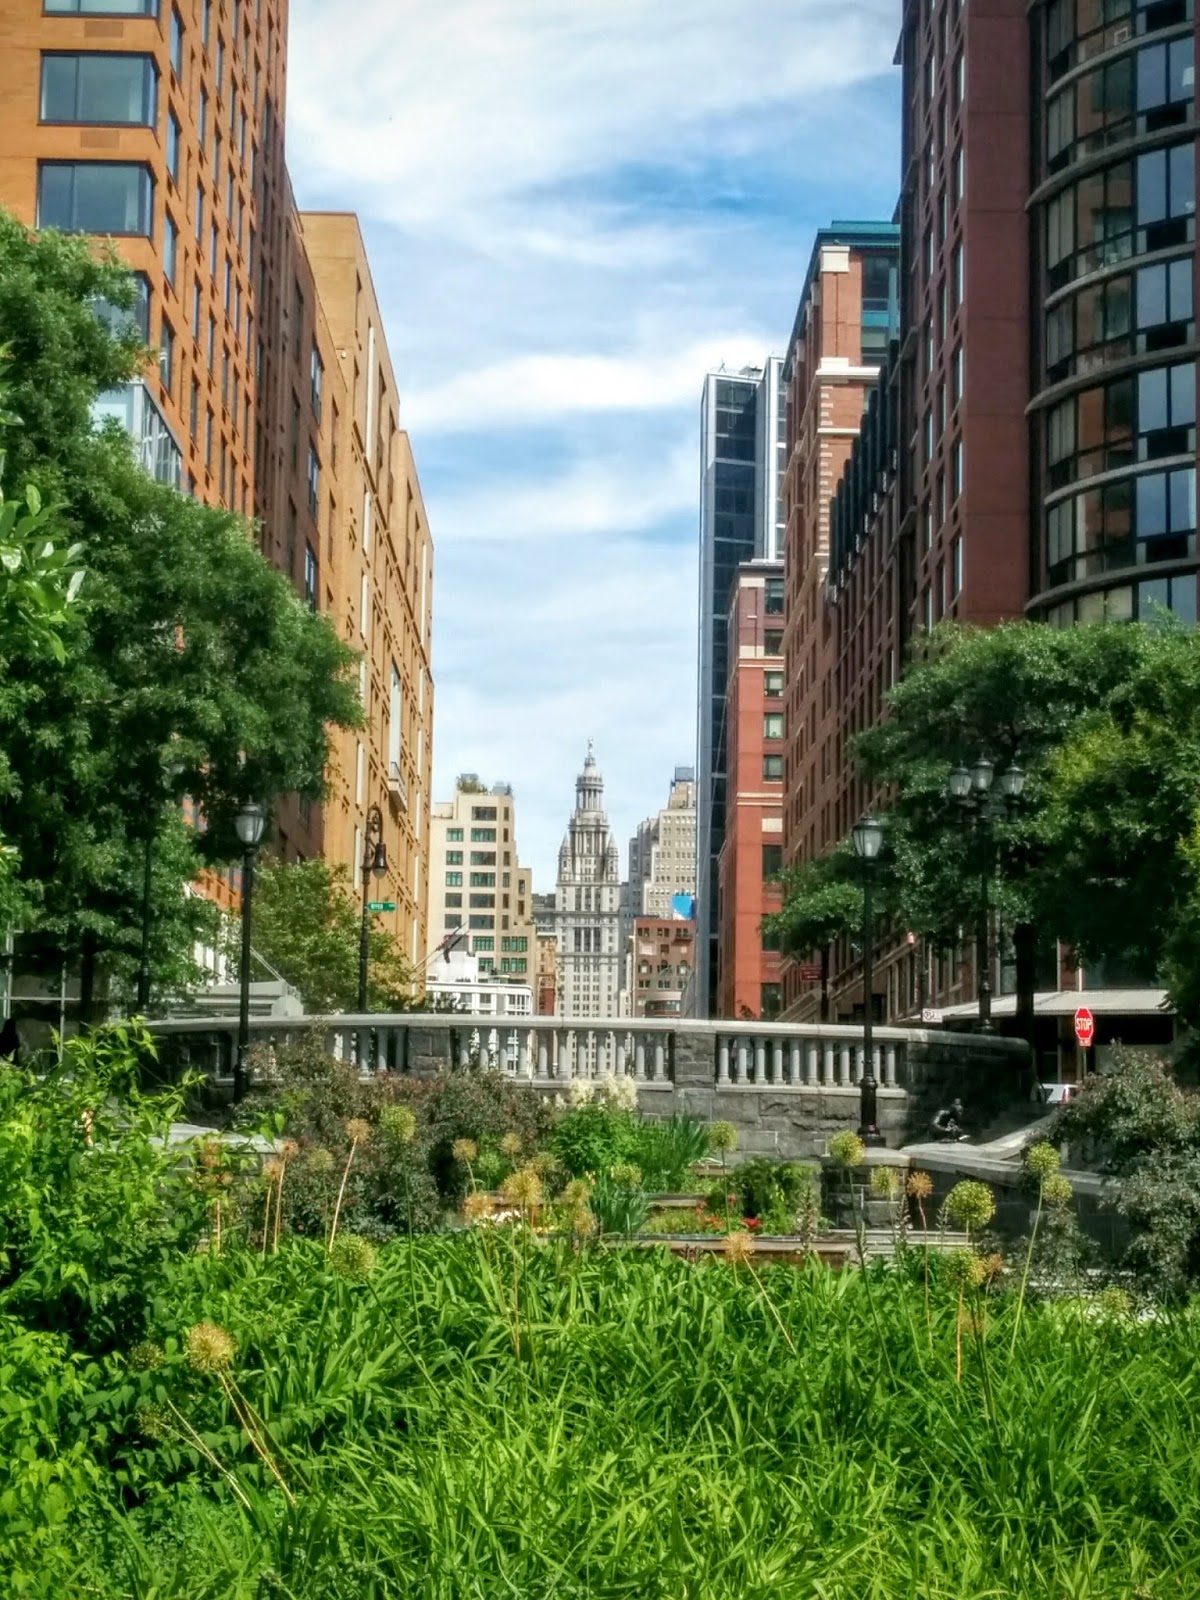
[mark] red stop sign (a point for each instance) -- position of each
(1085, 1026)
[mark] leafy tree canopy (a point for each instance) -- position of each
(307, 925)
(823, 902)
(191, 669)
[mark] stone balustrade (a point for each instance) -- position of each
(785, 1086)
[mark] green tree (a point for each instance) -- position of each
(822, 903)
(307, 925)
(193, 670)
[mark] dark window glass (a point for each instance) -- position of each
(772, 860)
(102, 197)
(102, 8)
(173, 137)
(310, 577)
(136, 320)
(99, 88)
(176, 42)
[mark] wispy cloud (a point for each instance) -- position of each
(573, 212)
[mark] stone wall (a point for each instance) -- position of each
(793, 1121)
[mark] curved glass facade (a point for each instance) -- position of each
(1114, 414)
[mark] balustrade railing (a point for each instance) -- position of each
(550, 1050)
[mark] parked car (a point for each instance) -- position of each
(1057, 1094)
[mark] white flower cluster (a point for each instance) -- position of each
(581, 1093)
(620, 1092)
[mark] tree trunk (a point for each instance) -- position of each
(87, 980)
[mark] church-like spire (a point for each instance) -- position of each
(589, 786)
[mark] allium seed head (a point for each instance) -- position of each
(358, 1131)
(272, 1167)
(885, 1182)
(970, 1205)
(993, 1267)
(398, 1123)
(577, 1193)
(146, 1357)
(1057, 1191)
(920, 1185)
(739, 1246)
(352, 1257)
(582, 1222)
(545, 1163)
(1042, 1160)
(964, 1270)
(319, 1160)
(722, 1137)
(627, 1175)
(1113, 1301)
(478, 1207)
(289, 1149)
(846, 1149)
(209, 1348)
(464, 1150)
(523, 1188)
(511, 1144)
(153, 1422)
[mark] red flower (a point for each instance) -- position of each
(752, 1222)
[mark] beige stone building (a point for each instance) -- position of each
(477, 886)
(662, 853)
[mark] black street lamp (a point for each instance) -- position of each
(868, 841)
(374, 865)
(973, 789)
(249, 822)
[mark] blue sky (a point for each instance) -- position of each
(573, 210)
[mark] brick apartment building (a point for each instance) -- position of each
(160, 124)
(1030, 446)
(748, 978)
(661, 958)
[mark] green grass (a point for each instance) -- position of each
(489, 1419)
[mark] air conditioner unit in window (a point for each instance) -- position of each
(1121, 34)
(397, 788)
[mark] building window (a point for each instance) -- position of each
(483, 880)
(166, 355)
(176, 42)
(314, 489)
(773, 597)
(454, 901)
(773, 725)
(106, 89)
(454, 835)
(310, 576)
(395, 721)
(454, 880)
(123, 323)
(104, 8)
(170, 249)
(960, 277)
(956, 568)
(454, 858)
(773, 769)
(772, 860)
(773, 641)
(771, 1001)
(773, 684)
(317, 377)
(102, 197)
(482, 835)
(173, 138)
(956, 468)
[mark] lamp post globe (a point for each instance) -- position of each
(250, 822)
(868, 838)
(1012, 782)
(960, 783)
(982, 773)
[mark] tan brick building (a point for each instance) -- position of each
(477, 884)
(159, 124)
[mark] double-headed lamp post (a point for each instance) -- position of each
(374, 865)
(868, 841)
(973, 788)
(249, 822)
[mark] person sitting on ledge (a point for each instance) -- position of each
(948, 1122)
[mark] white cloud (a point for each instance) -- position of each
(442, 111)
(550, 387)
(574, 210)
